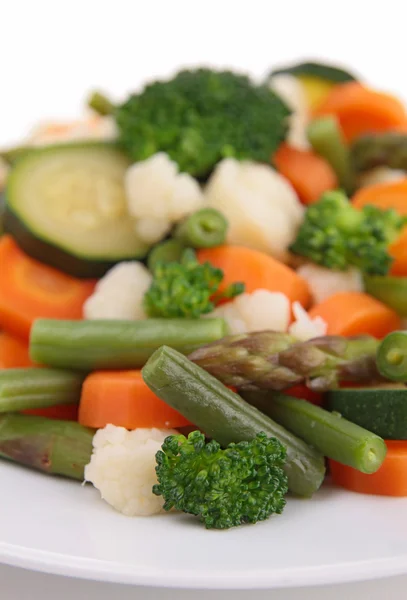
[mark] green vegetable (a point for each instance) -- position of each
(276, 361)
(325, 137)
(101, 104)
(186, 289)
(201, 116)
(245, 483)
(204, 229)
(381, 410)
(165, 252)
(318, 70)
(11, 155)
(37, 388)
(104, 344)
(392, 356)
(389, 290)
(66, 206)
(54, 447)
(388, 149)
(333, 436)
(336, 235)
(225, 416)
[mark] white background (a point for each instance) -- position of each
(53, 52)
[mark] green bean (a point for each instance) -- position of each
(205, 228)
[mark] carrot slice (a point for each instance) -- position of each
(354, 313)
(304, 393)
(122, 398)
(309, 174)
(29, 290)
(389, 480)
(362, 110)
(13, 352)
(256, 270)
(63, 412)
(384, 196)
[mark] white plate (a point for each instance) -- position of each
(57, 526)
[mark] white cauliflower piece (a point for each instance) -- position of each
(119, 294)
(381, 175)
(261, 206)
(304, 328)
(291, 91)
(122, 468)
(257, 311)
(324, 283)
(158, 196)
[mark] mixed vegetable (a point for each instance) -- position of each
(203, 292)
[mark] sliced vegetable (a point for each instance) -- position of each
(384, 196)
(61, 412)
(104, 344)
(21, 389)
(54, 447)
(123, 399)
(354, 313)
(319, 70)
(13, 352)
(389, 480)
(382, 410)
(168, 251)
(205, 228)
(30, 290)
(362, 110)
(100, 104)
(392, 356)
(66, 207)
(225, 416)
(326, 138)
(309, 174)
(256, 270)
(398, 251)
(389, 290)
(332, 435)
(373, 150)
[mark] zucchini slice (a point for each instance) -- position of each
(318, 70)
(66, 207)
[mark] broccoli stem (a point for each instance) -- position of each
(333, 436)
(205, 228)
(101, 104)
(392, 356)
(167, 251)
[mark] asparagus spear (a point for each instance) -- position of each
(273, 360)
(51, 446)
(380, 149)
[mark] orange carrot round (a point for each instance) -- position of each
(384, 196)
(362, 110)
(389, 480)
(354, 313)
(256, 270)
(122, 398)
(13, 352)
(309, 174)
(29, 290)
(304, 393)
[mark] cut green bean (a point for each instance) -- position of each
(392, 356)
(21, 389)
(168, 251)
(326, 140)
(225, 416)
(205, 228)
(116, 344)
(328, 432)
(101, 104)
(390, 290)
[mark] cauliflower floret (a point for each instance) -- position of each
(122, 468)
(159, 195)
(257, 311)
(291, 91)
(304, 328)
(260, 205)
(324, 283)
(119, 294)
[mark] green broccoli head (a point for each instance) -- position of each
(336, 235)
(186, 289)
(201, 116)
(245, 483)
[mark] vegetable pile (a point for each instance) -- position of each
(203, 292)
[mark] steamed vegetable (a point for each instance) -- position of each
(115, 344)
(333, 436)
(292, 93)
(380, 149)
(186, 289)
(203, 229)
(305, 327)
(384, 196)
(324, 282)
(392, 356)
(13, 352)
(225, 416)
(336, 235)
(199, 117)
(244, 483)
(168, 251)
(392, 291)
(30, 290)
(66, 207)
(318, 70)
(260, 205)
(277, 361)
(54, 447)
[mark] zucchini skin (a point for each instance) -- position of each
(319, 70)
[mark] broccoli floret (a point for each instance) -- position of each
(201, 116)
(244, 483)
(186, 289)
(337, 235)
